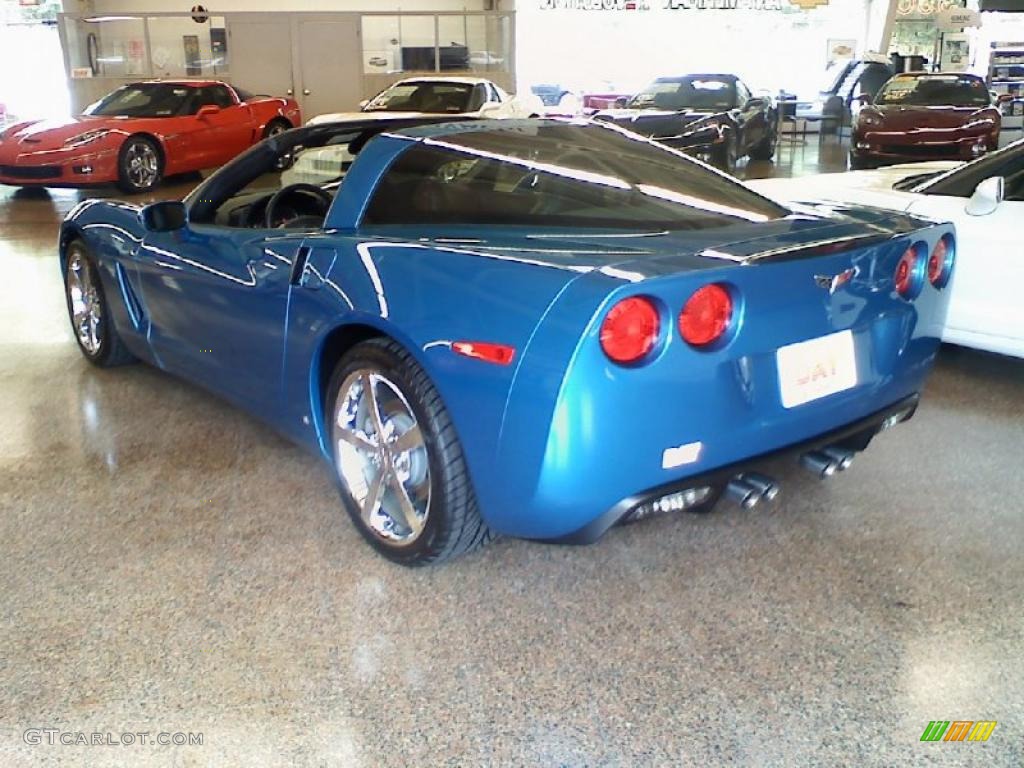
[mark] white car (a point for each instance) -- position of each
(984, 199)
(413, 97)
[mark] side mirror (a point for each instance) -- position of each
(986, 198)
(622, 102)
(166, 216)
(490, 108)
(206, 110)
(753, 103)
(1003, 98)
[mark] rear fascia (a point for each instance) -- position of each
(576, 448)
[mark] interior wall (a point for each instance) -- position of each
(771, 44)
(222, 6)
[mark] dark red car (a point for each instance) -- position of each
(925, 116)
(142, 132)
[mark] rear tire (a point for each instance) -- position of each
(89, 312)
(401, 473)
(140, 165)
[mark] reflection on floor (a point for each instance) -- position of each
(167, 564)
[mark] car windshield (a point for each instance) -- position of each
(935, 91)
(703, 93)
(143, 100)
(431, 98)
(551, 176)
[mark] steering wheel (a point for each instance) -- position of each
(272, 217)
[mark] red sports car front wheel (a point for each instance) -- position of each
(140, 165)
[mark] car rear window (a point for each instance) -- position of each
(559, 175)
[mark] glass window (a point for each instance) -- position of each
(381, 44)
(181, 47)
(559, 176)
(108, 47)
(418, 53)
(429, 96)
(490, 42)
(935, 90)
(442, 42)
(146, 100)
(217, 95)
(743, 94)
(703, 93)
(451, 38)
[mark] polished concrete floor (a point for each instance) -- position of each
(167, 564)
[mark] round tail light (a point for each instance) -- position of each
(630, 330)
(706, 315)
(940, 262)
(907, 278)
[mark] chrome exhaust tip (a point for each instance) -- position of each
(765, 485)
(743, 493)
(842, 457)
(820, 464)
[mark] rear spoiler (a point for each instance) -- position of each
(826, 247)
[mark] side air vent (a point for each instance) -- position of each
(135, 312)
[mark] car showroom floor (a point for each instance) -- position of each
(168, 564)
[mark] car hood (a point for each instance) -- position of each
(333, 117)
(653, 122)
(52, 134)
(900, 118)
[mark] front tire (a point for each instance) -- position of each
(728, 155)
(398, 461)
(765, 148)
(140, 165)
(89, 312)
(276, 126)
(856, 164)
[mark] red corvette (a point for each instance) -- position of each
(142, 132)
(925, 116)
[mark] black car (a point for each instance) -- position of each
(714, 117)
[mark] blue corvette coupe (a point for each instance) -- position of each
(538, 328)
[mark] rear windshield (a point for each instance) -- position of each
(936, 91)
(559, 175)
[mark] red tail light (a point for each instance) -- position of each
(630, 330)
(908, 271)
(940, 263)
(706, 315)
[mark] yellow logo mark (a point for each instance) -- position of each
(982, 730)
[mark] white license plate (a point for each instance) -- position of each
(813, 369)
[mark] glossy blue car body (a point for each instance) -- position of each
(561, 442)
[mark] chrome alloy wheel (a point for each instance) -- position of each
(142, 164)
(381, 456)
(86, 307)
